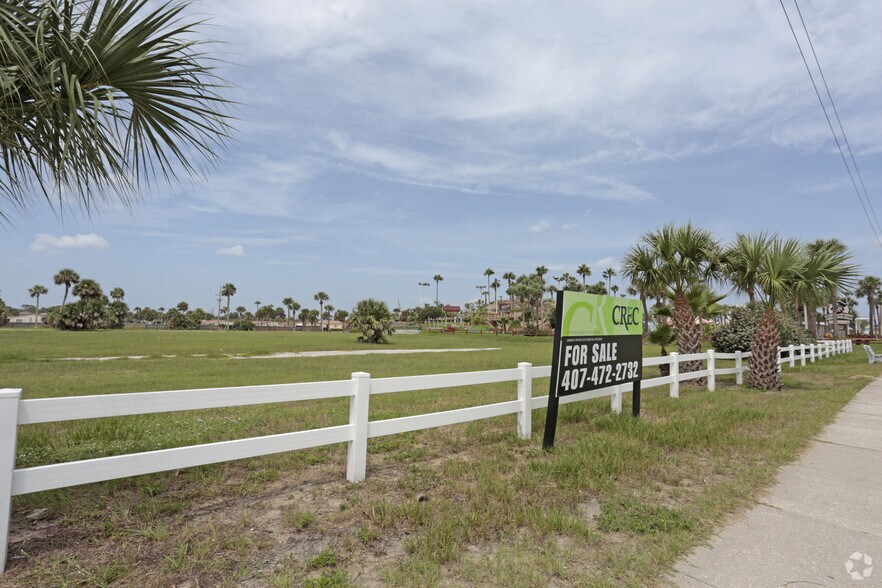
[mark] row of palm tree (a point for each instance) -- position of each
(564, 281)
(228, 290)
(672, 262)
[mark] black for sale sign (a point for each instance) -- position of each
(597, 343)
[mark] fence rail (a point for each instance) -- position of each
(15, 411)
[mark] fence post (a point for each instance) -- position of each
(802, 354)
(812, 352)
(675, 374)
(8, 435)
(739, 368)
(359, 404)
(791, 352)
(525, 397)
(615, 401)
(711, 375)
(828, 347)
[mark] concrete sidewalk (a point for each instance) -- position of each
(825, 511)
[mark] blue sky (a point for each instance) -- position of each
(382, 143)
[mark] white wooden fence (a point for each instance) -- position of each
(15, 412)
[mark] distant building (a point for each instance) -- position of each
(28, 318)
(451, 311)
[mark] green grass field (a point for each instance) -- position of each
(616, 503)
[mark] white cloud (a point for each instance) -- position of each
(44, 242)
(235, 251)
(624, 70)
(540, 225)
(605, 263)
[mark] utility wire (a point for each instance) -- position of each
(838, 120)
(830, 124)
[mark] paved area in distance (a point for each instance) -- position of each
(824, 512)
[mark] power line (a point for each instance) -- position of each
(836, 113)
(830, 123)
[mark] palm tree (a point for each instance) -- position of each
(321, 298)
(106, 95)
(438, 279)
(68, 277)
(776, 273)
(36, 291)
(489, 272)
(509, 277)
(495, 285)
(663, 335)
(584, 271)
(228, 290)
(289, 303)
(741, 261)
(541, 271)
(329, 310)
(684, 256)
(615, 289)
(826, 275)
(608, 274)
(88, 290)
(118, 294)
(373, 319)
(869, 287)
(639, 267)
(837, 248)
(256, 307)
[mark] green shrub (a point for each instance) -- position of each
(242, 325)
(82, 315)
(743, 322)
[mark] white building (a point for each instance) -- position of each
(28, 318)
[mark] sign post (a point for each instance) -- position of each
(597, 344)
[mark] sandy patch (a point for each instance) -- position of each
(108, 358)
(287, 355)
(290, 354)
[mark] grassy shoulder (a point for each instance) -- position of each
(616, 503)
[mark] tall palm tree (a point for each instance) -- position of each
(489, 272)
(495, 285)
(68, 277)
(509, 277)
(289, 303)
(608, 274)
(684, 256)
(321, 298)
(118, 294)
(256, 307)
(36, 291)
(869, 286)
(106, 95)
(584, 271)
(438, 279)
(228, 290)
